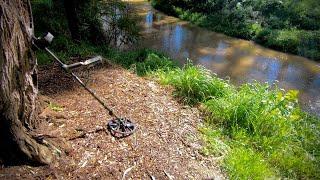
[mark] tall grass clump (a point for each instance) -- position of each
(194, 84)
(244, 163)
(259, 131)
(154, 62)
(270, 122)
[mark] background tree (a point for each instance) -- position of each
(72, 17)
(18, 90)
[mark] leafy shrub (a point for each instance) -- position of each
(194, 17)
(163, 5)
(309, 45)
(286, 40)
(254, 30)
(304, 43)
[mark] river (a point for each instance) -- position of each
(240, 60)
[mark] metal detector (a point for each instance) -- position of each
(118, 127)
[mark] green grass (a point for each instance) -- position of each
(193, 84)
(259, 131)
(153, 62)
(244, 163)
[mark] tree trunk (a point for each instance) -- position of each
(18, 88)
(72, 17)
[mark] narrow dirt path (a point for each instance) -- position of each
(166, 144)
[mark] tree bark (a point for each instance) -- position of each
(72, 17)
(18, 86)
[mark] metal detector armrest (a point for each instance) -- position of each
(85, 63)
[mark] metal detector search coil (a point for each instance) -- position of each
(118, 127)
(121, 127)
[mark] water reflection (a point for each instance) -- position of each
(220, 52)
(273, 70)
(294, 76)
(149, 19)
(268, 69)
(315, 82)
(242, 61)
(177, 38)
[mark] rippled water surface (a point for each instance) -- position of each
(240, 60)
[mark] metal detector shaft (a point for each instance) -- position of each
(80, 82)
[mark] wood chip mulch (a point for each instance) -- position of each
(166, 144)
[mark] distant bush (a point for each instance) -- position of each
(304, 43)
(284, 40)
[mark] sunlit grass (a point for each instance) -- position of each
(260, 132)
(194, 84)
(245, 163)
(154, 62)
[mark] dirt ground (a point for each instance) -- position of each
(166, 144)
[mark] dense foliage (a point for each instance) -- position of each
(287, 25)
(112, 22)
(99, 34)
